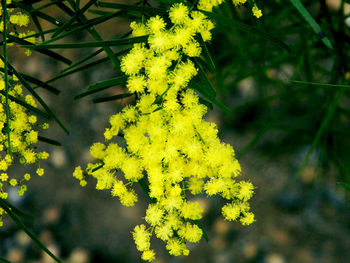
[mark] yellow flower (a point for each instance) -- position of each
(138, 29)
(26, 176)
(231, 211)
(245, 191)
(148, 255)
(192, 49)
(176, 247)
(133, 61)
(191, 210)
(164, 232)
(4, 177)
(154, 215)
(256, 11)
(136, 83)
(178, 13)
(78, 173)
(190, 232)
(141, 237)
(247, 219)
(13, 182)
(19, 19)
(156, 24)
(119, 188)
(129, 198)
(97, 151)
(40, 171)
(163, 139)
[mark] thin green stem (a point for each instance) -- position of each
(7, 108)
(324, 124)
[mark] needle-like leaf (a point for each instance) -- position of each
(111, 98)
(311, 21)
(102, 85)
(105, 43)
(36, 240)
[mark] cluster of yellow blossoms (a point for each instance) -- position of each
(207, 5)
(23, 138)
(163, 142)
(17, 19)
(22, 125)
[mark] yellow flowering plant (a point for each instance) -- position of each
(18, 119)
(163, 142)
(160, 140)
(17, 20)
(19, 127)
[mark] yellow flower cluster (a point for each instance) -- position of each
(163, 142)
(22, 139)
(208, 5)
(17, 19)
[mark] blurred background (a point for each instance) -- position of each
(292, 139)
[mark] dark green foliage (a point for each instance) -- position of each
(299, 100)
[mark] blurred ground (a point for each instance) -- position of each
(301, 219)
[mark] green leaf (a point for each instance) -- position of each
(100, 12)
(205, 103)
(196, 86)
(65, 8)
(4, 260)
(43, 51)
(207, 88)
(33, 12)
(172, 1)
(142, 182)
(197, 222)
(147, 9)
(86, 66)
(324, 124)
(108, 83)
(72, 4)
(232, 23)
(93, 33)
(41, 84)
(346, 186)
(45, 32)
(86, 25)
(223, 107)
(204, 64)
(319, 84)
(49, 141)
(77, 5)
(47, 5)
(38, 26)
(106, 43)
(28, 106)
(98, 167)
(5, 18)
(102, 85)
(107, 50)
(207, 55)
(115, 97)
(74, 18)
(311, 21)
(36, 96)
(79, 62)
(19, 212)
(37, 82)
(36, 240)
